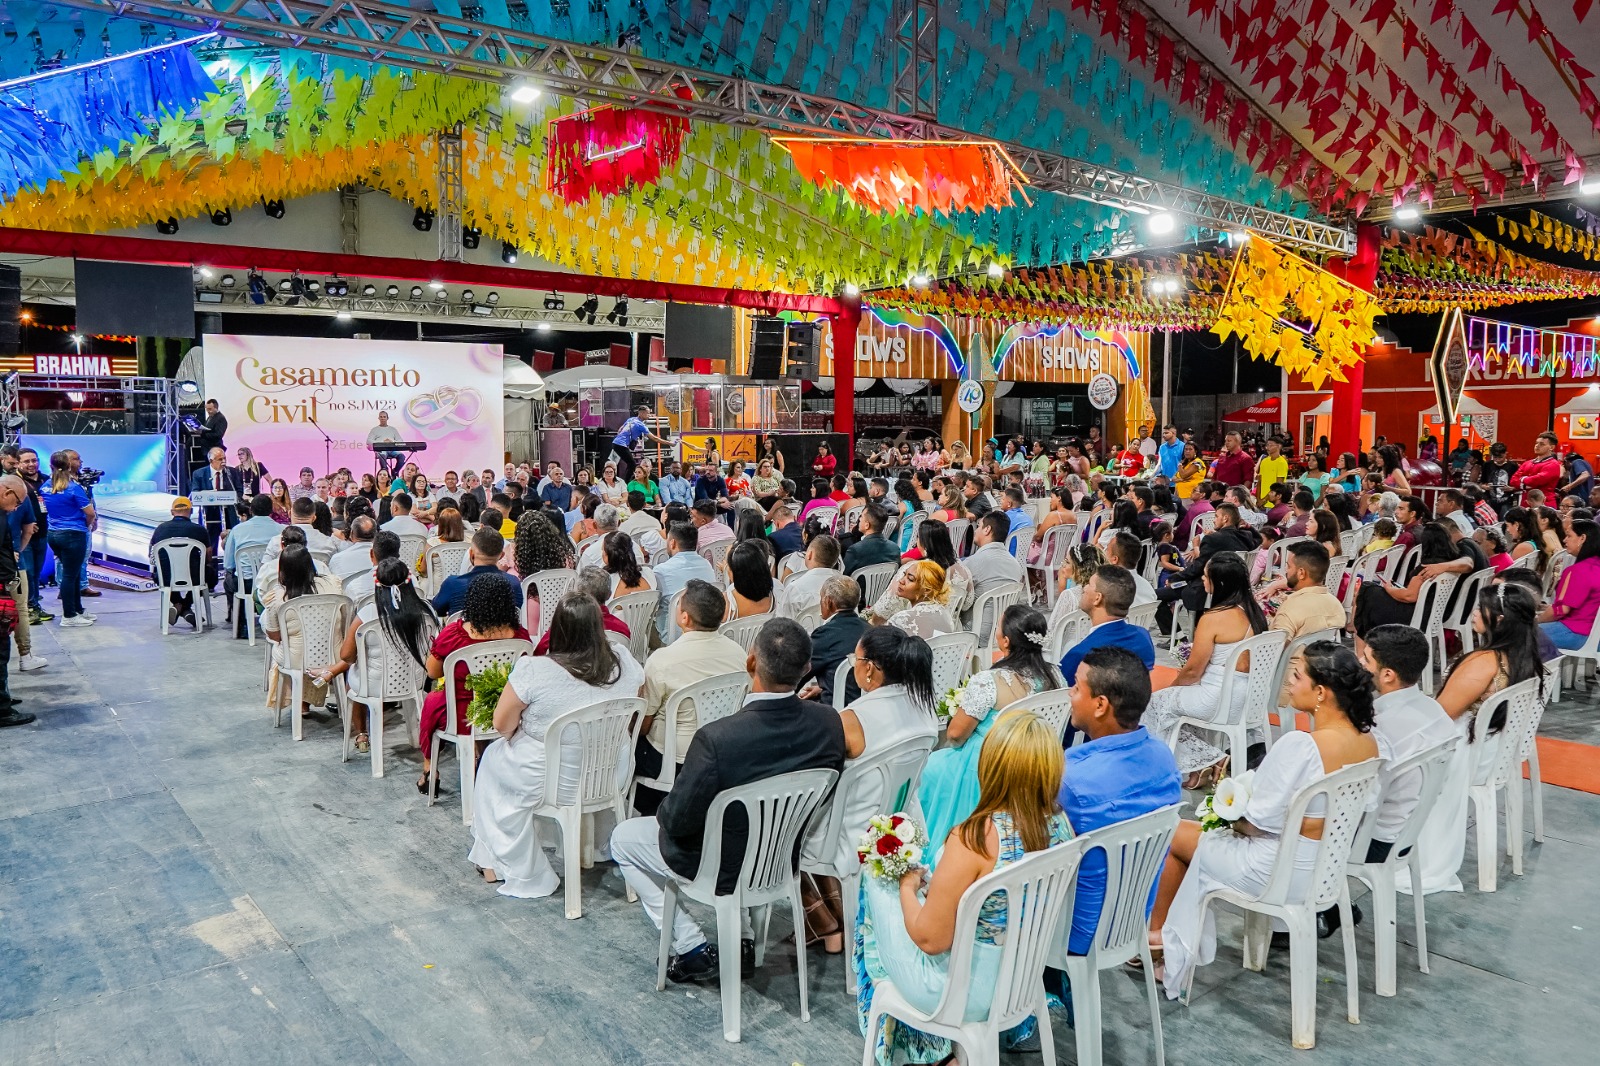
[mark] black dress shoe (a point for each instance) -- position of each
(694, 966)
(11, 716)
(747, 958)
(1329, 922)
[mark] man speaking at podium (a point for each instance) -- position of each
(217, 476)
(381, 433)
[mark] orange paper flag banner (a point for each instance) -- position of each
(928, 176)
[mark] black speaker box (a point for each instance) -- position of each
(767, 345)
(10, 310)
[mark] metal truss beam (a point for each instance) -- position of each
(425, 40)
(64, 291)
(916, 58)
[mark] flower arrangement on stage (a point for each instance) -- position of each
(1225, 805)
(486, 686)
(891, 845)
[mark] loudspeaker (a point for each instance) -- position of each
(804, 339)
(10, 310)
(767, 343)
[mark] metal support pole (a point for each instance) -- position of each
(448, 218)
(1166, 378)
(349, 220)
(916, 59)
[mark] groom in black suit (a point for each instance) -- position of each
(775, 732)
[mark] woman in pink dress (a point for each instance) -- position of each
(489, 613)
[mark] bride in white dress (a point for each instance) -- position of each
(1233, 615)
(1330, 683)
(1510, 654)
(582, 668)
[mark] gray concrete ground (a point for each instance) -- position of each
(181, 883)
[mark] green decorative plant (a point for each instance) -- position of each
(486, 686)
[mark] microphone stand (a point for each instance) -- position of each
(327, 448)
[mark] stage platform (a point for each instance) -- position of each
(122, 538)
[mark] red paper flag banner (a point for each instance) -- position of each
(608, 150)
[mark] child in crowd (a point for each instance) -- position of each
(1384, 531)
(1168, 559)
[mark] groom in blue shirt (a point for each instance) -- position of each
(1106, 598)
(1120, 773)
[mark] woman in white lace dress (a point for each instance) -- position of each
(933, 544)
(1234, 615)
(582, 668)
(922, 585)
(1330, 684)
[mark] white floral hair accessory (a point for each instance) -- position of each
(1038, 638)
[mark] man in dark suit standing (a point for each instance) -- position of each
(217, 476)
(775, 733)
(181, 527)
(213, 429)
(873, 547)
(835, 638)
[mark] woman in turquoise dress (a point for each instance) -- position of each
(905, 937)
(948, 793)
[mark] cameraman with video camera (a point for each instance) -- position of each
(71, 512)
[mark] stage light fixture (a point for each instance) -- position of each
(422, 221)
(416, 292)
(313, 286)
(167, 226)
(392, 291)
(587, 309)
(482, 309)
(618, 315)
(921, 281)
(851, 289)
(209, 296)
(441, 295)
(524, 93)
(188, 388)
(369, 290)
(1161, 223)
(204, 272)
(343, 316)
(337, 286)
(1589, 186)
(223, 217)
(493, 297)
(470, 237)
(228, 281)
(466, 296)
(285, 285)
(996, 271)
(273, 208)
(508, 252)
(555, 302)
(1407, 213)
(436, 285)
(543, 327)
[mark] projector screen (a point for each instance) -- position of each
(136, 299)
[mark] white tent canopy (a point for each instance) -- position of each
(1326, 408)
(522, 382)
(1465, 406)
(598, 374)
(1586, 402)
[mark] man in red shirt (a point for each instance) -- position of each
(1234, 466)
(1543, 471)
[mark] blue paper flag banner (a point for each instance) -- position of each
(50, 123)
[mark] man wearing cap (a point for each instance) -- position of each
(180, 527)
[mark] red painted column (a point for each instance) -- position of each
(846, 322)
(1360, 270)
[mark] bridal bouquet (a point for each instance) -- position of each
(1226, 804)
(486, 686)
(1182, 651)
(891, 845)
(949, 702)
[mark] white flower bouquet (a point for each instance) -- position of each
(1225, 805)
(949, 702)
(891, 845)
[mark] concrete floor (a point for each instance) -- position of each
(181, 883)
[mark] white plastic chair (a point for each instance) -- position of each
(742, 631)
(790, 565)
(711, 698)
(412, 545)
(1460, 620)
(1135, 851)
(989, 608)
(809, 616)
(1038, 889)
(952, 660)
(874, 580)
(246, 562)
(1053, 706)
(1264, 649)
(716, 554)
(388, 675)
(445, 560)
(638, 612)
(1278, 554)
(893, 773)
(827, 516)
(1066, 629)
(1350, 541)
(178, 558)
(1433, 764)
(1338, 566)
(361, 588)
(1428, 618)
(841, 681)
(1345, 791)
(1524, 708)
(1144, 615)
(1052, 556)
(1286, 715)
(606, 733)
(475, 657)
(547, 586)
(959, 528)
(1554, 569)
(777, 810)
(321, 621)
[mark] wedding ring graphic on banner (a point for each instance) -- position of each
(1102, 391)
(445, 410)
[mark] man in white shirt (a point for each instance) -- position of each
(700, 652)
(674, 573)
(822, 562)
(383, 433)
(990, 564)
(1452, 504)
(1124, 552)
(303, 514)
(356, 555)
(606, 521)
(639, 522)
(402, 524)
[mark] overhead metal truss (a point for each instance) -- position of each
(916, 58)
(426, 40)
(64, 291)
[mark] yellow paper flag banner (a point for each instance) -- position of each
(1292, 312)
